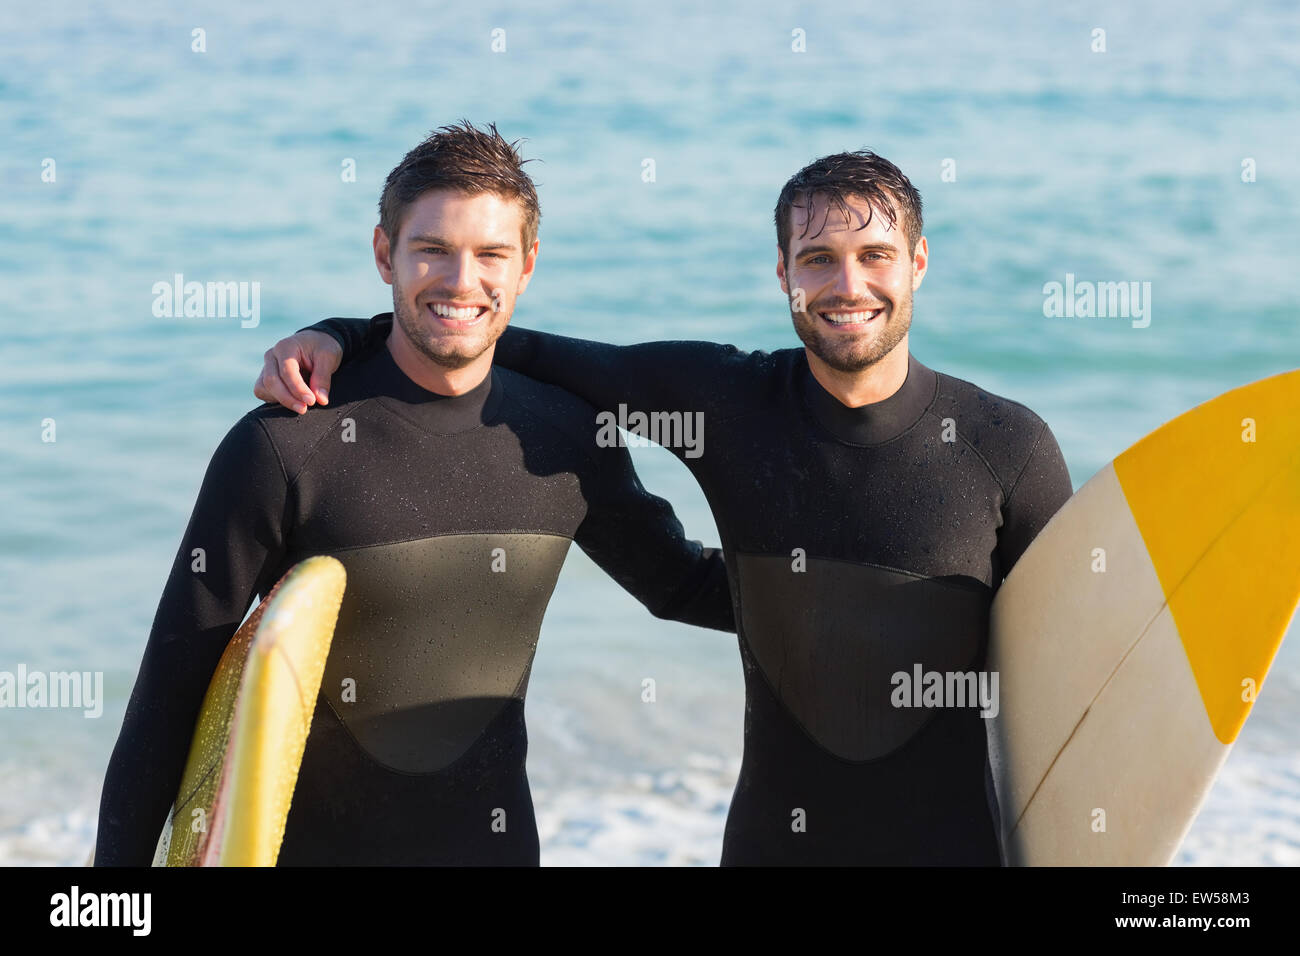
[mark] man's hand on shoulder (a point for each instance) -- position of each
(313, 353)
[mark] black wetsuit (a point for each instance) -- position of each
(452, 517)
(861, 542)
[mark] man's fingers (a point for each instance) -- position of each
(283, 366)
(291, 377)
(269, 387)
(276, 391)
(270, 372)
(320, 382)
(322, 355)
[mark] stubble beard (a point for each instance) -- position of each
(460, 350)
(845, 354)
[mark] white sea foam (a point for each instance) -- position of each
(676, 818)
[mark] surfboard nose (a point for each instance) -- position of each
(1215, 494)
(1133, 635)
(273, 714)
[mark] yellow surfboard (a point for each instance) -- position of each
(248, 743)
(1135, 632)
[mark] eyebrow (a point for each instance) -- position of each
(869, 247)
(427, 240)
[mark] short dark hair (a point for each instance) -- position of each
(862, 174)
(468, 160)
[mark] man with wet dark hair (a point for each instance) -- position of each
(869, 509)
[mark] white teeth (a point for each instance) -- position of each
(447, 312)
(849, 318)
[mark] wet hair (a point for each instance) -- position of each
(466, 159)
(861, 174)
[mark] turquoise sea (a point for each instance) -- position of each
(1128, 165)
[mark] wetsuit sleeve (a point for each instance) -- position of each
(681, 376)
(636, 538)
(234, 542)
(1042, 487)
(353, 334)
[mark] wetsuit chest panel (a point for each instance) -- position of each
(830, 637)
(434, 638)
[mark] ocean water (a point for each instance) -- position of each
(1122, 165)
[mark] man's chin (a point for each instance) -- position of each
(845, 352)
(453, 351)
(452, 360)
(843, 356)
(847, 363)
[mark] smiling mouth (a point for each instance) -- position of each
(457, 316)
(840, 318)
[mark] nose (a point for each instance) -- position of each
(462, 274)
(849, 279)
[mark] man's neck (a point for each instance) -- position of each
(431, 376)
(875, 383)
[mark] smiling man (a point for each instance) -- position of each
(450, 490)
(869, 509)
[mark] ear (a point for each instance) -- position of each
(530, 263)
(780, 270)
(920, 262)
(383, 255)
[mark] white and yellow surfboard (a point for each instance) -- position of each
(1134, 634)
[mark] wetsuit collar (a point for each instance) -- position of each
(879, 421)
(440, 414)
